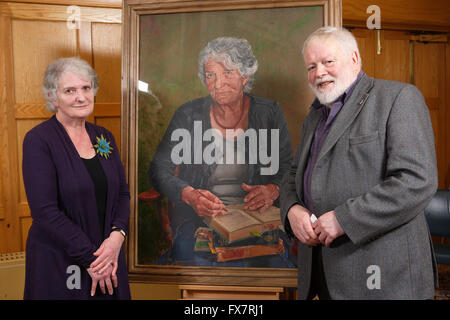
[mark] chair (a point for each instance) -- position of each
(437, 214)
(152, 196)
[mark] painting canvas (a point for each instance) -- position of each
(166, 77)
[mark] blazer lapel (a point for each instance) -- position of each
(348, 114)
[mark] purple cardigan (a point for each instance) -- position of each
(65, 231)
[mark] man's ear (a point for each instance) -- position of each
(355, 57)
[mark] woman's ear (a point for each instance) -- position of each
(244, 82)
(53, 100)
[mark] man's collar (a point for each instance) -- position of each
(350, 89)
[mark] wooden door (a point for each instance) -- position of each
(31, 36)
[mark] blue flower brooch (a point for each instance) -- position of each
(103, 147)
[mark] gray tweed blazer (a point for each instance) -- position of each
(377, 171)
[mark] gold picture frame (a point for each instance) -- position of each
(134, 13)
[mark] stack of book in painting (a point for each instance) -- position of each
(241, 233)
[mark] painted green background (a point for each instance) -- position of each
(168, 62)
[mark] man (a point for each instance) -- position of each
(366, 168)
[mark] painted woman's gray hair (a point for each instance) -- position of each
(57, 69)
(342, 35)
(234, 53)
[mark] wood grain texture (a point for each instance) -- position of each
(400, 14)
(430, 78)
(107, 52)
(32, 11)
(88, 3)
(9, 226)
(35, 45)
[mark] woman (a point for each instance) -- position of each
(198, 189)
(77, 192)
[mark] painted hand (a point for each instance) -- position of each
(260, 197)
(203, 202)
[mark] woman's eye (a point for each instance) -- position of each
(209, 75)
(86, 88)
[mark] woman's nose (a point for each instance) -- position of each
(219, 82)
(80, 95)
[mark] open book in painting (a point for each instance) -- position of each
(239, 223)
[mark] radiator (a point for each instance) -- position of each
(12, 275)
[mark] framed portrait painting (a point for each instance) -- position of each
(175, 135)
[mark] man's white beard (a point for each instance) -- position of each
(338, 87)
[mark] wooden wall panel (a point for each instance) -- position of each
(35, 45)
(447, 111)
(394, 61)
(366, 47)
(107, 51)
(89, 3)
(400, 14)
(429, 76)
(9, 231)
(2, 200)
(31, 36)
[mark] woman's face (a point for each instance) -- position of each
(74, 97)
(225, 86)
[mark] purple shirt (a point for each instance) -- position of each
(323, 128)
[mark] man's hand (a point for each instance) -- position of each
(300, 221)
(328, 228)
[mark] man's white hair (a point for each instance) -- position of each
(344, 37)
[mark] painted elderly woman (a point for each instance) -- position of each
(214, 152)
(77, 193)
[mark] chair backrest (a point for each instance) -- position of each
(437, 214)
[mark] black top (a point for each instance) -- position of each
(98, 176)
